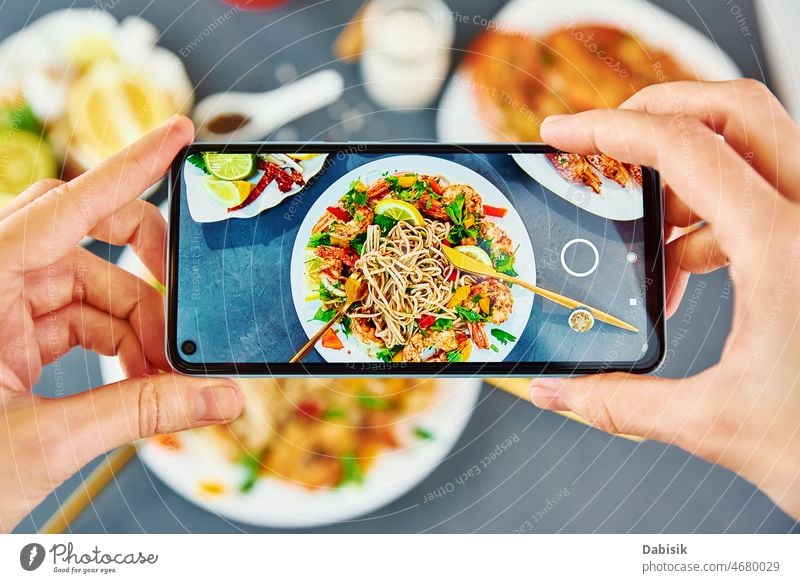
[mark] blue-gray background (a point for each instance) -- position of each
(231, 272)
(614, 485)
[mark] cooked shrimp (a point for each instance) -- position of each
(500, 299)
(355, 226)
(473, 203)
(443, 341)
(365, 330)
(335, 259)
(610, 168)
(499, 241)
(576, 170)
(432, 208)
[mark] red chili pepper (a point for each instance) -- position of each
(453, 275)
(268, 176)
(446, 243)
(494, 211)
(460, 337)
(435, 186)
(309, 407)
(340, 214)
(426, 321)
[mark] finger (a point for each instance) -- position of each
(93, 329)
(49, 227)
(677, 212)
(744, 111)
(676, 281)
(697, 252)
(99, 420)
(647, 406)
(140, 225)
(30, 194)
(86, 278)
(705, 172)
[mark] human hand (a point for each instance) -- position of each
(55, 295)
(743, 412)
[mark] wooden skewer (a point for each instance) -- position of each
(88, 490)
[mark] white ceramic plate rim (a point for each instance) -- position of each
(354, 350)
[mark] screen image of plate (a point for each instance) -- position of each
(415, 297)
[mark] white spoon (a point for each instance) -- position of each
(241, 116)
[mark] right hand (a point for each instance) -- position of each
(744, 412)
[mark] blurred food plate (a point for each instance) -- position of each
(540, 58)
(399, 435)
(88, 86)
(214, 196)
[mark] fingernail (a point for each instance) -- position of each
(550, 119)
(546, 393)
(217, 403)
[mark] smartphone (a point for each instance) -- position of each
(416, 259)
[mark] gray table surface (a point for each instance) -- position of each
(560, 476)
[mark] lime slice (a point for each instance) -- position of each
(229, 166)
(399, 210)
(226, 192)
(27, 159)
(476, 253)
(313, 265)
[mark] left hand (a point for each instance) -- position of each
(55, 295)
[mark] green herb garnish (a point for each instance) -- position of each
(442, 324)
(351, 472)
(197, 160)
(324, 315)
(373, 402)
(469, 315)
(454, 356)
(333, 413)
(385, 223)
(387, 354)
(251, 465)
(319, 239)
(502, 336)
(423, 433)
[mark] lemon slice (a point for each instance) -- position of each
(90, 49)
(27, 159)
(229, 166)
(476, 253)
(226, 192)
(302, 156)
(399, 210)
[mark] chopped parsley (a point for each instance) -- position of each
(387, 354)
(351, 472)
(459, 232)
(502, 336)
(505, 264)
(197, 160)
(356, 197)
(442, 324)
(324, 315)
(318, 239)
(385, 223)
(469, 315)
(357, 242)
(251, 464)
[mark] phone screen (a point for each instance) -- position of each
(427, 258)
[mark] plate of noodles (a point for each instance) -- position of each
(387, 222)
(542, 58)
(307, 452)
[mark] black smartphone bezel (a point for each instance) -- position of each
(654, 265)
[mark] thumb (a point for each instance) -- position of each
(115, 414)
(646, 406)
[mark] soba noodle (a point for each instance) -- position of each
(407, 277)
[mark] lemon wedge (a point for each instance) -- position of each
(110, 107)
(26, 158)
(228, 192)
(399, 210)
(476, 253)
(90, 49)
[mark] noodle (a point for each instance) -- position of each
(407, 277)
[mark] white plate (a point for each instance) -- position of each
(278, 504)
(459, 119)
(354, 350)
(204, 209)
(612, 202)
